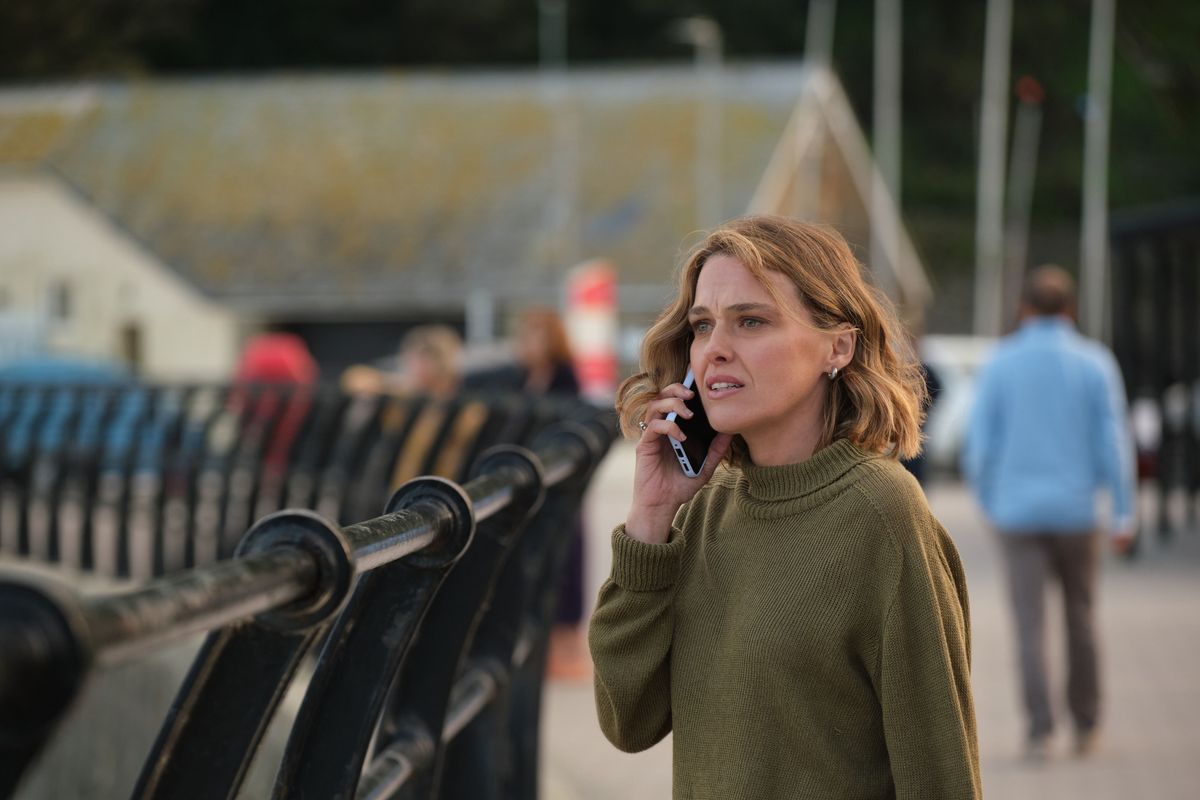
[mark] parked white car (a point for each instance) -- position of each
(956, 360)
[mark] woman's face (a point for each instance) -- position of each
(761, 369)
(532, 346)
(420, 370)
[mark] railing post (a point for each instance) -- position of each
(367, 648)
(45, 662)
(419, 703)
(504, 737)
(222, 710)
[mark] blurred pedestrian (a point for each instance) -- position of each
(795, 614)
(1048, 430)
(544, 356)
(277, 358)
(273, 381)
(431, 370)
(428, 363)
(431, 361)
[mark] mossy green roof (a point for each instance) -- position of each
(400, 190)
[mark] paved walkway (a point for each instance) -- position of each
(1150, 621)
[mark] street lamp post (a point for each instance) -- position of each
(818, 33)
(993, 124)
(704, 34)
(1021, 172)
(887, 130)
(1094, 234)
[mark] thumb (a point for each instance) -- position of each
(716, 452)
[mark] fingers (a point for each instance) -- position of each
(676, 390)
(669, 399)
(661, 427)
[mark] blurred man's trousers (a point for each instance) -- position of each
(1033, 559)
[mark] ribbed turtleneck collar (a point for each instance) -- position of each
(786, 489)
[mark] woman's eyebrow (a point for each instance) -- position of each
(736, 308)
(747, 308)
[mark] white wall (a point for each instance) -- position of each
(49, 238)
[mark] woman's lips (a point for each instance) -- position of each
(722, 386)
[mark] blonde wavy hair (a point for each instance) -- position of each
(877, 400)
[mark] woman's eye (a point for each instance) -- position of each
(750, 322)
(701, 327)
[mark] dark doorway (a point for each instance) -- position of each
(131, 346)
(337, 345)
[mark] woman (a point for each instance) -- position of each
(797, 616)
(544, 354)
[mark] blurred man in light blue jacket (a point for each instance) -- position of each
(1047, 432)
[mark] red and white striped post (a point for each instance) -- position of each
(592, 328)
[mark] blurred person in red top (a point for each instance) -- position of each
(270, 361)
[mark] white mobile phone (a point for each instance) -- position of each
(693, 451)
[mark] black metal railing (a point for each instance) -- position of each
(1156, 338)
(430, 621)
(129, 480)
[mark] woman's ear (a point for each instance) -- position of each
(842, 350)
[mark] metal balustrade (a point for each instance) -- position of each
(425, 626)
(135, 481)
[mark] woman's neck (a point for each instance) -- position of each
(538, 378)
(773, 447)
(777, 453)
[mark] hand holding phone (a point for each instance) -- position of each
(659, 490)
(693, 450)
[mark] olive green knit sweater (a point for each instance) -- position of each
(804, 633)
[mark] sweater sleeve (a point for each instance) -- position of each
(924, 676)
(630, 640)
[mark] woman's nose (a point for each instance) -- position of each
(717, 346)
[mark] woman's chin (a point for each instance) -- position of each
(731, 426)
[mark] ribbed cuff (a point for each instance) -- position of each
(642, 567)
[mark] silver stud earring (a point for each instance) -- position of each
(833, 371)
